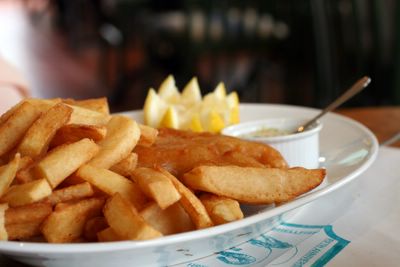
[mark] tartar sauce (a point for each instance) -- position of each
(265, 132)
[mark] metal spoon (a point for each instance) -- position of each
(353, 90)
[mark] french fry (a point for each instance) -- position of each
(37, 139)
(95, 104)
(111, 183)
(9, 112)
(221, 209)
(254, 185)
(62, 205)
(24, 162)
(108, 235)
(25, 175)
(35, 212)
(74, 132)
(171, 220)
(7, 174)
(123, 218)
(24, 222)
(14, 128)
(73, 192)
(67, 224)
(156, 186)
(126, 166)
(64, 160)
(18, 195)
(23, 231)
(190, 203)
(93, 226)
(86, 116)
(122, 136)
(71, 180)
(3, 230)
(148, 135)
(41, 104)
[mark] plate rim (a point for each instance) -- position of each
(50, 248)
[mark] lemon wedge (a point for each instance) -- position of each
(232, 100)
(168, 91)
(191, 93)
(154, 108)
(220, 91)
(215, 123)
(195, 124)
(189, 110)
(170, 119)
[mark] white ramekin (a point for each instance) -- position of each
(301, 149)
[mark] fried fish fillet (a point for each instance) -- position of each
(180, 151)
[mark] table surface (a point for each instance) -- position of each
(384, 122)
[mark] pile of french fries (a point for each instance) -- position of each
(69, 174)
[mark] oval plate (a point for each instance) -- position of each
(347, 150)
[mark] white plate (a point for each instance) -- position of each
(347, 150)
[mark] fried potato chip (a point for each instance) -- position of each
(74, 132)
(190, 203)
(112, 183)
(7, 174)
(67, 224)
(108, 235)
(37, 139)
(86, 116)
(156, 186)
(41, 105)
(123, 218)
(25, 175)
(126, 166)
(23, 231)
(148, 135)
(14, 128)
(221, 209)
(73, 192)
(171, 220)
(93, 226)
(24, 162)
(122, 136)
(35, 212)
(64, 160)
(96, 104)
(3, 230)
(18, 195)
(254, 185)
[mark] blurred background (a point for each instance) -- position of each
(304, 52)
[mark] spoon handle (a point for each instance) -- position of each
(355, 89)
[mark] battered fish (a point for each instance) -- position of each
(180, 151)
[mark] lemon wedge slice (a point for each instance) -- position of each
(215, 123)
(170, 118)
(191, 93)
(168, 91)
(195, 124)
(154, 108)
(220, 91)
